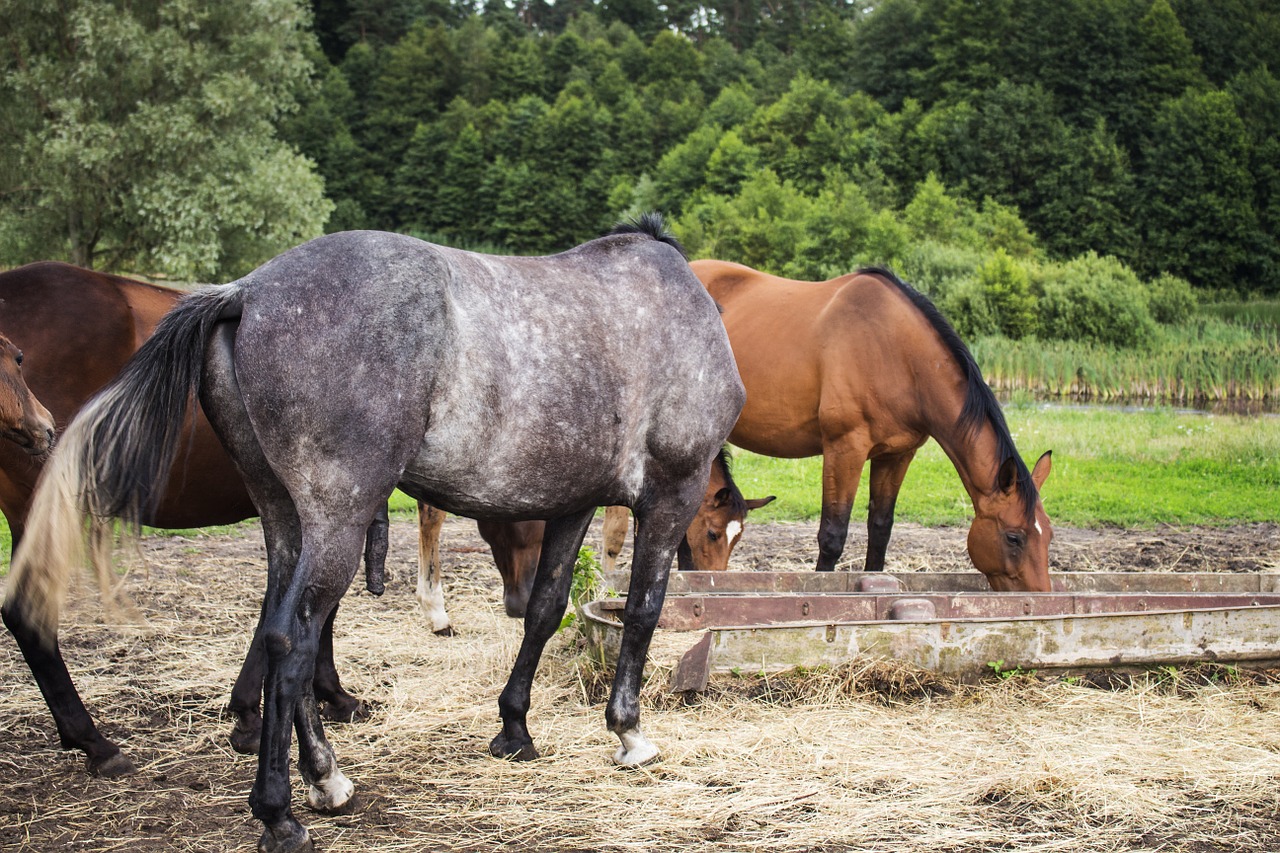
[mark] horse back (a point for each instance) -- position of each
(825, 358)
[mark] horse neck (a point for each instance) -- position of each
(975, 453)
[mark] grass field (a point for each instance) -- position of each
(1110, 467)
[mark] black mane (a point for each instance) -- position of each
(650, 224)
(980, 405)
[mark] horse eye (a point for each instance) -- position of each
(18, 358)
(1014, 539)
(712, 535)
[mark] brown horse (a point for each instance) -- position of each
(76, 329)
(516, 546)
(23, 419)
(863, 367)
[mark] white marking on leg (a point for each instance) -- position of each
(636, 749)
(431, 600)
(330, 792)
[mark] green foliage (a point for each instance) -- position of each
(1005, 285)
(1171, 299)
(1095, 298)
(1110, 467)
(143, 137)
(586, 585)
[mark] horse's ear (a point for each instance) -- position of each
(722, 497)
(1007, 476)
(756, 503)
(1041, 472)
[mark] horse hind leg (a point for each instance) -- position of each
(560, 544)
(616, 521)
(842, 462)
(430, 590)
(291, 630)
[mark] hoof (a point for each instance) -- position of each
(246, 737)
(350, 710)
(501, 747)
(446, 631)
(335, 794)
(111, 767)
(290, 838)
(636, 750)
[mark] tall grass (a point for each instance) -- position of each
(1207, 360)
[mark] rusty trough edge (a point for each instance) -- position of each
(964, 648)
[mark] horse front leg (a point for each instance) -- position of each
(75, 727)
(547, 602)
(335, 703)
(842, 461)
(430, 590)
(659, 529)
(887, 473)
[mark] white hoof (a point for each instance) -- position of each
(636, 749)
(331, 793)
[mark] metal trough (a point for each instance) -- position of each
(946, 622)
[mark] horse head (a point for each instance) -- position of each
(717, 527)
(1008, 545)
(23, 420)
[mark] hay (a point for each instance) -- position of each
(860, 757)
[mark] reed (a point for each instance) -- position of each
(1208, 360)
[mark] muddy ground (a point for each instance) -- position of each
(426, 782)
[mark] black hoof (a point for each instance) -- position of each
(349, 710)
(289, 838)
(111, 767)
(246, 737)
(446, 632)
(512, 750)
(351, 806)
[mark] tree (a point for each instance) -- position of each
(143, 137)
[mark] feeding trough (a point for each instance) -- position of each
(948, 623)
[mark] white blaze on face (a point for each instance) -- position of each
(1039, 529)
(733, 530)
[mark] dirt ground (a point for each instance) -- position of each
(820, 765)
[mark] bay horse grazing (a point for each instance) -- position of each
(715, 532)
(864, 367)
(24, 420)
(76, 329)
(707, 544)
(494, 387)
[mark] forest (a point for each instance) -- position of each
(1093, 171)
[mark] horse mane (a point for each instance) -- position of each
(737, 503)
(650, 224)
(980, 404)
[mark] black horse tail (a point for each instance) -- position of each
(652, 225)
(114, 459)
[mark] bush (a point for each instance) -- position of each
(1095, 298)
(1171, 299)
(967, 307)
(1006, 286)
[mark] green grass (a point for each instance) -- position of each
(1132, 469)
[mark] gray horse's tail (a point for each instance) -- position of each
(114, 459)
(650, 224)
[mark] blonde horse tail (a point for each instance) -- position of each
(113, 460)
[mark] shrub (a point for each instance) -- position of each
(1095, 298)
(1171, 299)
(1006, 286)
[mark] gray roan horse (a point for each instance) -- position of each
(492, 387)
